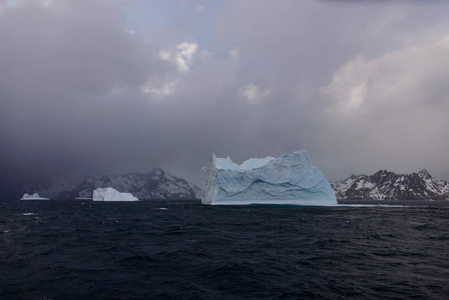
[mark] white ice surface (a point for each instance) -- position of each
(110, 194)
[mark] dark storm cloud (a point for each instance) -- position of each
(70, 77)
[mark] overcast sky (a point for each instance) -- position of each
(117, 86)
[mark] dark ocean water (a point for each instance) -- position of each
(184, 250)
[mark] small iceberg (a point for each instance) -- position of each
(35, 196)
(110, 194)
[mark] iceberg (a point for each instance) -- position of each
(110, 194)
(35, 196)
(286, 180)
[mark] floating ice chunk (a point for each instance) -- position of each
(291, 179)
(35, 196)
(110, 194)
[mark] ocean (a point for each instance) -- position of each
(185, 250)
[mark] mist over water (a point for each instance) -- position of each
(184, 250)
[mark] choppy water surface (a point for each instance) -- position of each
(184, 250)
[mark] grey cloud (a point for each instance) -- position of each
(300, 47)
(399, 100)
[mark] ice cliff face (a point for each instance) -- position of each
(291, 179)
(385, 185)
(156, 184)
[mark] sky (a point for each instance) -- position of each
(94, 87)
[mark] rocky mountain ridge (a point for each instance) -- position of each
(155, 184)
(385, 185)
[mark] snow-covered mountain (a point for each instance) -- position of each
(156, 184)
(384, 185)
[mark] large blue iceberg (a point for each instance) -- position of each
(291, 179)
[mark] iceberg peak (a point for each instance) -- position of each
(227, 163)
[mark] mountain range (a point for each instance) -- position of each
(385, 185)
(156, 184)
